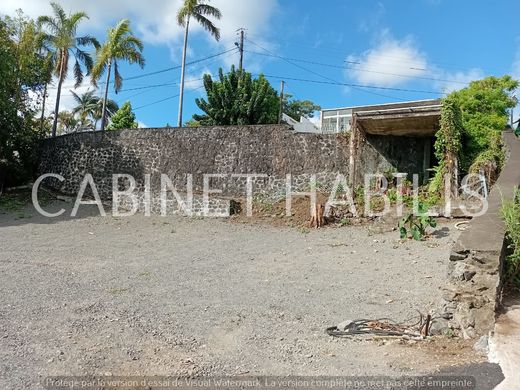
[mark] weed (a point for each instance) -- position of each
(416, 225)
(304, 230)
(511, 216)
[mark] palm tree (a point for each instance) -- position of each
(85, 106)
(89, 108)
(61, 38)
(68, 123)
(199, 11)
(120, 45)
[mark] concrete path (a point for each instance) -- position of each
(505, 345)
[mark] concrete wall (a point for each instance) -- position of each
(473, 292)
(386, 153)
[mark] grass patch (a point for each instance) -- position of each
(511, 216)
(13, 203)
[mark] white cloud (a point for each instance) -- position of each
(155, 20)
(390, 63)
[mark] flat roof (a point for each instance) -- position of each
(411, 103)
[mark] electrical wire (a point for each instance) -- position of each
(316, 73)
(360, 69)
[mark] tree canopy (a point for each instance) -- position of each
(22, 78)
(236, 98)
(299, 108)
(124, 118)
(485, 106)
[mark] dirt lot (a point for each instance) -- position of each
(178, 296)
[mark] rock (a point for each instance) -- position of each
(457, 256)
(439, 327)
(482, 346)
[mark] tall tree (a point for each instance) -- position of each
(198, 10)
(89, 108)
(22, 78)
(61, 37)
(67, 122)
(237, 99)
(121, 44)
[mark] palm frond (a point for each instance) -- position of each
(59, 12)
(182, 16)
(118, 80)
(207, 25)
(78, 74)
(85, 59)
(87, 40)
(207, 10)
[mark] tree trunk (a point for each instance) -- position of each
(42, 117)
(181, 96)
(58, 96)
(103, 112)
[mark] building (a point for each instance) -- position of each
(398, 136)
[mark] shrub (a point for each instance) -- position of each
(414, 226)
(511, 216)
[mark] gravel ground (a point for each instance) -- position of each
(178, 296)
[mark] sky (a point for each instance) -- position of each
(336, 53)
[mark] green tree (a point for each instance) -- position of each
(299, 108)
(237, 99)
(121, 44)
(89, 108)
(198, 10)
(68, 123)
(124, 118)
(22, 78)
(485, 108)
(60, 37)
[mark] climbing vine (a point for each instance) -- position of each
(448, 144)
(472, 121)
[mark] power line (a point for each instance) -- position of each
(342, 52)
(335, 82)
(165, 99)
(360, 69)
(318, 74)
(349, 85)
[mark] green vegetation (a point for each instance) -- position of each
(23, 77)
(60, 38)
(237, 99)
(124, 118)
(415, 226)
(89, 109)
(448, 144)
(299, 108)
(511, 215)
(472, 122)
(120, 45)
(198, 10)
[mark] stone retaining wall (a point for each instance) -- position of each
(271, 150)
(473, 292)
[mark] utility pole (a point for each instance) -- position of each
(241, 49)
(282, 86)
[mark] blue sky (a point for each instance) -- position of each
(326, 51)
